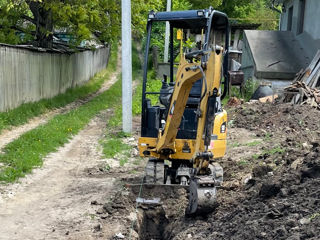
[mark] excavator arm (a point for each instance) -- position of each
(187, 75)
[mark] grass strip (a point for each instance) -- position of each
(116, 119)
(28, 151)
(25, 112)
(112, 144)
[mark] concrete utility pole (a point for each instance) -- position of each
(126, 66)
(166, 41)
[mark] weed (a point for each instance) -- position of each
(256, 156)
(243, 163)
(254, 143)
(249, 88)
(267, 136)
(123, 161)
(231, 123)
(113, 146)
(137, 161)
(275, 150)
(107, 167)
(314, 216)
(234, 145)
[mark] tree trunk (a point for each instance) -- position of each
(44, 24)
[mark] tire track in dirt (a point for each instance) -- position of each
(51, 203)
(12, 134)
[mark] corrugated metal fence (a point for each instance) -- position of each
(28, 75)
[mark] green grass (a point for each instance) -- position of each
(267, 136)
(243, 163)
(25, 112)
(275, 150)
(235, 144)
(113, 143)
(272, 151)
(254, 143)
(113, 146)
(28, 151)
(116, 119)
(314, 216)
(256, 156)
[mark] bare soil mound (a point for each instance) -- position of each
(281, 198)
(271, 184)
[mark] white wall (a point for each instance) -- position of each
(309, 39)
(311, 17)
(27, 75)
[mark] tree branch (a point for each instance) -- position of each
(32, 20)
(17, 28)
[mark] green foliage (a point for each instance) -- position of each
(112, 146)
(140, 10)
(136, 100)
(25, 112)
(275, 150)
(251, 11)
(81, 19)
(201, 4)
(254, 143)
(243, 163)
(314, 216)
(116, 119)
(249, 88)
(181, 5)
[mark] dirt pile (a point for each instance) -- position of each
(280, 199)
(271, 184)
(297, 123)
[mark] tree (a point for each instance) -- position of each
(201, 4)
(38, 19)
(140, 10)
(251, 11)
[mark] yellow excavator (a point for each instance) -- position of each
(183, 131)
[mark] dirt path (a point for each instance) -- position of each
(10, 135)
(54, 201)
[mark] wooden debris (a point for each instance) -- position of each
(268, 98)
(233, 101)
(303, 89)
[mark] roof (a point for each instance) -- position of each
(190, 19)
(247, 26)
(276, 54)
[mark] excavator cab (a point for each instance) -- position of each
(183, 125)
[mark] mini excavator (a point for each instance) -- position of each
(183, 132)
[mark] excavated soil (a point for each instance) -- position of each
(271, 184)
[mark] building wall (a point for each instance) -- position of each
(310, 37)
(27, 76)
(311, 17)
(247, 61)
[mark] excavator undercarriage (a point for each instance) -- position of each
(184, 133)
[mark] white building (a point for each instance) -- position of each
(276, 56)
